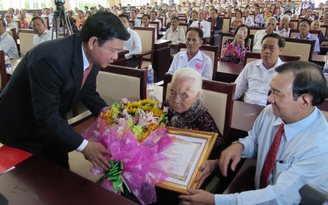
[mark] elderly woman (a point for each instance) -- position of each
(234, 51)
(315, 25)
(186, 109)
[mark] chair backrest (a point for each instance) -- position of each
(249, 57)
(294, 23)
(254, 29)
(211, 51)
(218, 99)
(319, 11)
(13, 33)
(224, 37)
(299, 47)
(184, 26)
(26, 40)
(147, 36)
(324, 29)
(226, 24)
(156, 25)
(295, 32)
(3, 72)
(117, 82)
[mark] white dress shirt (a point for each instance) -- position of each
(258, 38)
(8, 45)
(254, 82)
(13, 25)
(205, 26)
(46, 36)
(176, 37)
(283, 32)
(249, 21)
(301, 159)
(180, 60)
(133, 45)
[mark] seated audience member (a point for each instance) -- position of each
(146, 23)
(202, 24)
(248, 19)
(10, 22)
(133, 45)
(253, 82)
(7, 43)
(189, 112)
(238, 20)
(80, 20)
(325, 19)
(289, 13)
(283, 28)
(304, 28)
(315, 25)
(291, 131)
(35, 14)
(193, 57)
(22, 22)
(217, 22)
(42, 34)
(133, 15)
(289, 7)
(168, 21)
(194, 16)
(234, 50)
(269, 28)
(258, 19)
(267, 13)
(153, 17)
(294, 17)
(307, 15)
(175, 34)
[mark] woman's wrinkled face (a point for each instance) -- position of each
(182, 96)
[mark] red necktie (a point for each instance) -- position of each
(271, 158)
(86, 73)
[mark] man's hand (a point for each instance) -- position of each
(233, 152)
(94, 152)
(198, 196)
(205, 170)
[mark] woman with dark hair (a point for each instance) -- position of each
(239, 18)
(234, 50)
(146, 23)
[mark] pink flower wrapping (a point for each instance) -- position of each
(142, 169)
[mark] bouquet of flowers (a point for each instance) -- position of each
(135, 134)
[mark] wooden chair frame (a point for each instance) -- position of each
(301, 41)
(3, 72)
(148, 52)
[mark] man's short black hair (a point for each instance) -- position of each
(199, 30)
(37, 18)
(305, 20)
(281, 40)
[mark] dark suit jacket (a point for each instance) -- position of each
(42, 90)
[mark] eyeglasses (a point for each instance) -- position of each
(8, 16)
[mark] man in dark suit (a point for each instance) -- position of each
(48, 82)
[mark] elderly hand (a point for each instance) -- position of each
(233, 152)
(198, 196)
(94, 152)
(205, 169)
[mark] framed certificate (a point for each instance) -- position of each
(188, 151)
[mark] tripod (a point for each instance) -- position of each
(60, 19)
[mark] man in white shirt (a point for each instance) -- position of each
(42, 34)
(283, 27)
(193, 57)
(10, 22)
(153, 17)
(49, 15)
(133, 45)
(253, 82)
(269, 28)
(133, 15)
(7, 43)
(175, 34)
(202, 23)
(288, 139)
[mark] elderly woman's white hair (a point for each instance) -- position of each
(193, 74)
(286, 17)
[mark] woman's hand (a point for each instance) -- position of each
(205, 170)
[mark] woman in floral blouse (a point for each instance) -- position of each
(234, 51)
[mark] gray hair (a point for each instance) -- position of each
(271, 18)
(193, 74)
(286, 17)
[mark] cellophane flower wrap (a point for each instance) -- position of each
(135, 134)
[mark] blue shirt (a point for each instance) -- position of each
(301, 159)
(311, 37)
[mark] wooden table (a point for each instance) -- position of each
(162, 61)
(228, 72)
(36, 181)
